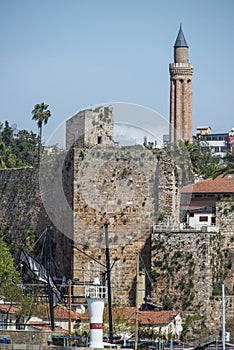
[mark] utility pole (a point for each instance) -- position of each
(108, 283)
(69, 307)
(137, 312)
(48, 264)
(223, 316)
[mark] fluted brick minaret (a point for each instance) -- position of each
(181, 72)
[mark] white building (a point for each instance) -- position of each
(219, 142)
(198, 201)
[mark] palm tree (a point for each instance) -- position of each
(227, 167)
(41, 114)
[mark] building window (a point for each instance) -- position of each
(203, 218)
(191, 215)
(99, 140)
(213, 220)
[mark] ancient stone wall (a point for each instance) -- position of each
(188, 270)
(91, 127)
(132, 189)
(23, 217)
(26, 339)
(225, 216)
(20, 205)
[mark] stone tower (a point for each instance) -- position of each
(180, 92)
(89, 128)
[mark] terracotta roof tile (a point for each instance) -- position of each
(7, 308)
(218, 185)
(44, 326)
(156, 317)
(60, 312)
(145, 317)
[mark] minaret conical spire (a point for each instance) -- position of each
(180, 40)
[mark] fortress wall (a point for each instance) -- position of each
(23, 217)
(130, 188)
(225, 217)
(188, 270)
(20, 205)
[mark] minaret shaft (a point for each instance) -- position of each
(180, 92)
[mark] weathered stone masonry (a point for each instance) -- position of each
(130, 188)
(23, 217)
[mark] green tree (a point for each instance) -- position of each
(205, 161)
(193, 158)
(17, 149)
(7, 158)
(7, 134)
(181, 156)
(167, 303)
(10, 284)
(41, 115)
(227, 167)
(9, 276)
(25, 147)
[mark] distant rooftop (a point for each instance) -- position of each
(221, 184)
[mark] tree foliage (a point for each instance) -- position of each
(17, 148)
(11, 289)
(9, 276)
(203, 159)
(181, 156)
(193, 158)
(227, 167)
(41, 115)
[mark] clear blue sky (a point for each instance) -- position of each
(75, 53)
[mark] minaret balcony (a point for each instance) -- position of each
(181, 65)
(180, 69)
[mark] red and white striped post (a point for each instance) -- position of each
(95, 295)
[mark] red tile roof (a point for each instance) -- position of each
(218, 185)
(43, 326)
(145, 317)
(7, 308)
(156, 317)
(60, 312)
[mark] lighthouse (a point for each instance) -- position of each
(95, 296)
